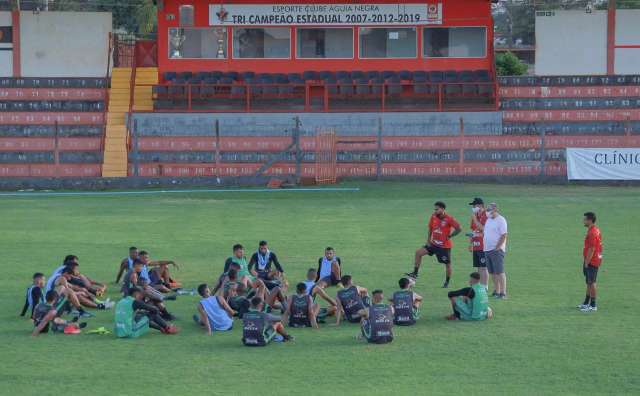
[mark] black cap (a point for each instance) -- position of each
(477, 201)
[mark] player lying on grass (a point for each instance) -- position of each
(301, 310)
(406, 304)
(314, 290)
(127, 263)
(259, 328)
(152, 296)
(470, 303)
(134, 316)
(240, 261)
(377, 320)
(213, 311)
(46, 316)
(329, 269)
(438, 241)
(260, 266)
(351, 301)
(35, 294)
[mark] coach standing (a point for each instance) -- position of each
(495, 246)
(592, 258)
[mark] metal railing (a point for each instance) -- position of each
(318, 96)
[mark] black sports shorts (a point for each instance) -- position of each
(443, 255)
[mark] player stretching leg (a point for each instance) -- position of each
(438, 241)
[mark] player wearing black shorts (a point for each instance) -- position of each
(439, 242)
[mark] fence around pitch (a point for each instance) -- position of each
(315, 96)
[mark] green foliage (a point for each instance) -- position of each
(537, 344)
(507, 64)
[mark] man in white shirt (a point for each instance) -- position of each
(495, 245)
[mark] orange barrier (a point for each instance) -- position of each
(52, 94)
(570, 92)
(50, 118)
(571, 115)
(49, 144)
(390, 143)
(358, 169)
(47, 170)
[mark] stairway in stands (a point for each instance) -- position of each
(115, 147)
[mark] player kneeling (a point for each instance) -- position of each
(470, 303)
(259, 328)
(406, 304)
(377, 320)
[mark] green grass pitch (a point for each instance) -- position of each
(538, 342)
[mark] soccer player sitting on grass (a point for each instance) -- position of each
(260, 266)
(79, 280)
(35, 294)
(329, 269)
(161, 268)
(134, 279)
(77, 296)
(127, 263)
(314, 290)
(301, 310)
(406, 304)
(244, 275)
(134, 316)
(46, 316)
(259, 328)
(470, 303)
(377, 320)
(161, 279)
(351, 301)
(213, 311)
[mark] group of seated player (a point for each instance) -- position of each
(66, 291)
(146, 285)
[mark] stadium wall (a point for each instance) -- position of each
(51, 42)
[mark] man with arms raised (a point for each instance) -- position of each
(438, 241)
(494, 239)
(329, 269)
(591, 260)
(352, 299)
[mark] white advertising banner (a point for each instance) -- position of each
(603, 163)
(325, 14)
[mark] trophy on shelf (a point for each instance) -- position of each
(176, 40)
(220, 32)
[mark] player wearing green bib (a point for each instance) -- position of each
(470, 303)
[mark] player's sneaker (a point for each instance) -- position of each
(413, 275)
(445, 285)
(170, 330)
(589, 309)
(583, 306)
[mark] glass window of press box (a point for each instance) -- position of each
(455, 42)
(261, 43)
(330, 43)
(388, 43)
(197, 43)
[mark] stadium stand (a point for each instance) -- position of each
(52, 127)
